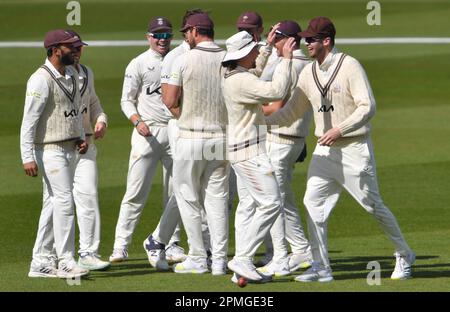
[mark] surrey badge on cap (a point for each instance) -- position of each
(249, 19)
(159, 24)
(238, 46)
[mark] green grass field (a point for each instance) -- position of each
(410, 133)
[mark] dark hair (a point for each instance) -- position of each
(50, 50)
(206, 32)
(189, 13)
(230, 65)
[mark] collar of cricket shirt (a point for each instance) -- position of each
(298, 54)
(155, 54)
(82, 73)
(329, 60)
(207, 44)
(68, 70)
(186, 46)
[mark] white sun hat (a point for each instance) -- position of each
(238, 46)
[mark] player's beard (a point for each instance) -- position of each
(67, 59)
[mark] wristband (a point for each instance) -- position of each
(137, 122)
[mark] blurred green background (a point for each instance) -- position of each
(410, 134)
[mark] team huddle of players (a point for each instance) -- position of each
(220, 122)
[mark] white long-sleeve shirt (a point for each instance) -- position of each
(299, 128)
(338, 92)
(37, 93)
(244, 95)
(169, 59)
(92, 109)
(141, 93)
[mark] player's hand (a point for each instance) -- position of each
(288, 48)
(82, 146)
(143, 129)
(31, 169)
(272, 34)
(330, 137)
(99, 130)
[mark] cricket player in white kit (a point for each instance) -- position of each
(284, 145)
(259, 195)
(200, 168)
(173, 251)
(252, 22)
(51, 133)
(337, 89)
(142, 104)
(86, 175)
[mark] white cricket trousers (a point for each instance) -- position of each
(352, 167)
(258, 208)
(200, 182)
(283, 158)
(85, 193)
(86, 201)
(56, 223)
(146, 153)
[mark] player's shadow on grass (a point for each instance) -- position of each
(360, 263)
(127, 268)
(134, 260)
(357, 267)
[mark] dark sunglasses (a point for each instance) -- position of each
(310, 40)
(161, 35)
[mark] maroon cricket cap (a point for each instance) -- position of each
(199, 20)
(159, 24)
(79, 42)
(289, 29)
(320, 27)
(249, 19)
(59, 36)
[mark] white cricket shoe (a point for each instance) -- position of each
(175, 253)
(47, 270)
(156, 254)
(299, 261)
(245, 268)
(92, 262)
(193, 266)
(403, 266)
(219, 267)
(276, 268)
(70, 269)
(119, 255)
(315, 274)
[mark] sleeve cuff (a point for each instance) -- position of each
(103, 118)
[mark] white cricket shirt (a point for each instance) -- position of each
(141, 93)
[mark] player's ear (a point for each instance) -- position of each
(55, 50)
